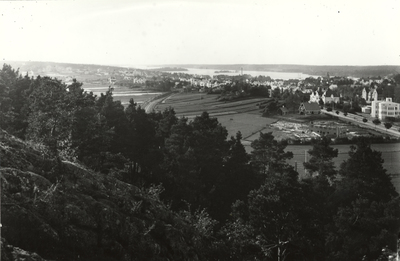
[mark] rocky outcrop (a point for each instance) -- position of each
(11, 253)
(68, 212)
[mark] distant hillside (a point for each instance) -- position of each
(51, 66)
(321, 70)
(168, 69)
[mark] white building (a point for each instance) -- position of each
(314, 97)
(366, 109)
(364, 94)
(383, 109)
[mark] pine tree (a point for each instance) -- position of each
(237, 181)
(21, 105)
(268, 154)
(368, 207)
(140, 140)
(364, 175)
(271, 224)
(51, 118)
(8, 78)
(322, 154)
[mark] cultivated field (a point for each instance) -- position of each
(193, 104)
(241, 115)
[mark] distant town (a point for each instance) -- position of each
(370, 101)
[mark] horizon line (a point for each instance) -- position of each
(202, 64)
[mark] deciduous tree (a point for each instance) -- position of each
(376, 122)
(388, 125)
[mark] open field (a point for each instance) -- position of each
(241, 115)
(193, 104)
(390, 154)
(123, 94)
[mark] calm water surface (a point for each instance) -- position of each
(212, 72)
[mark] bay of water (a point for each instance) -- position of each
(212, 72)
(273, 75)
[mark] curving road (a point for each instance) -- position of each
(369, 124)
(152, 105)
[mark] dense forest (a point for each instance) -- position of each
(178, 189)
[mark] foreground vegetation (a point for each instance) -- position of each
(85, 178)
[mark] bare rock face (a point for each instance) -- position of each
(68, 212)
(11, 253)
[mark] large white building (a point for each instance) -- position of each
(383, 109)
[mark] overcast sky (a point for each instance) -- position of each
(119, 32)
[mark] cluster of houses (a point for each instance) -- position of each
(376, 105)
(380, 109)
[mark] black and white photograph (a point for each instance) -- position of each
(200, 130)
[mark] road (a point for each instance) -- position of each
(149, 107)
(357, 119)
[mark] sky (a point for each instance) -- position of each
(146, 32)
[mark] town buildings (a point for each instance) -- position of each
(386, 108)
(369, 96)
(314, 97)
(309, 108)
(330, 96)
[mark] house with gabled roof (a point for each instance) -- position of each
(330, 96)
(283, 110)
(309, 108)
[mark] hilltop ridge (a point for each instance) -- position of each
(65, 211)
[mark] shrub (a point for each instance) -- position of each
(390, 119)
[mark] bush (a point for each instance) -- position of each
(329, 109)
(390, 119)
(376, 121)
